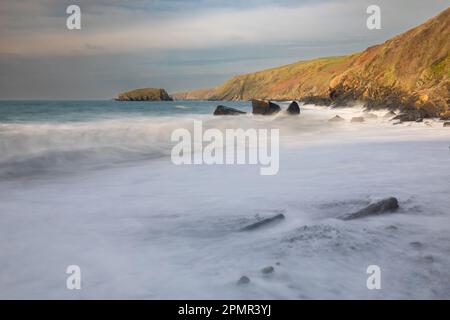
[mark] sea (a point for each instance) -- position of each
(92, 184)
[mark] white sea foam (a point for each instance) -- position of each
(149, 229)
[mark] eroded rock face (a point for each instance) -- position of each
(293, 108)
(223, 111)
(375, 209)
(264, 107)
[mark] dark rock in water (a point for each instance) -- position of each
(243, 280)
(446, 124)
(263, 222)
(264, 107)
(267, 270)
(357, 119)
(294, 108)
(336, 119)
(375, 209)
(391, 227)
(222, 110)
(419, 120)
(389, 115)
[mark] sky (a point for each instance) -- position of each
(179, 44)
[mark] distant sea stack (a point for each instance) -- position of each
(410, 71)
(145, 94)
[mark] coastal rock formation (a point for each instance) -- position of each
(263, 222)
(446, 124)
(380, 207)
(293, 108)
(336, 119)
(407, 72)
(264, 107)
(145, 94)
(222, 110)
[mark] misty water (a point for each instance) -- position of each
(91, 183)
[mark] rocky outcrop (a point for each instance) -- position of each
(446, 124)
(293, 108)
(407, 72)
(375, 209)
(145, 94)
(264, 107)
(226, 111)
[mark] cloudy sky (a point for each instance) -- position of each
(178, 44)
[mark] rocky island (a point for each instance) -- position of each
(145, 94)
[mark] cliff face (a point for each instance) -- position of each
(409, 71)
(145, 94)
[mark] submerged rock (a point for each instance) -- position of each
(222, 110)
(336, 119)
(446, 124)
(293, 108)
(264, 107)
(263, 222)
(375, 209)
(267, 270)
(243, 280)
(357, 119)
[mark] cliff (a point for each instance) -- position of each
(410, 71)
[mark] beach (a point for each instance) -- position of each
(98, 189)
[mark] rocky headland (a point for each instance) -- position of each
(409, 73)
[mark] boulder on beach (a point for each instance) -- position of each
(222, 111)
(357, 119)
(446, 124)
(293, 108)
(375, 209)
(264, 107)
(263, 222)
(336, 119)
